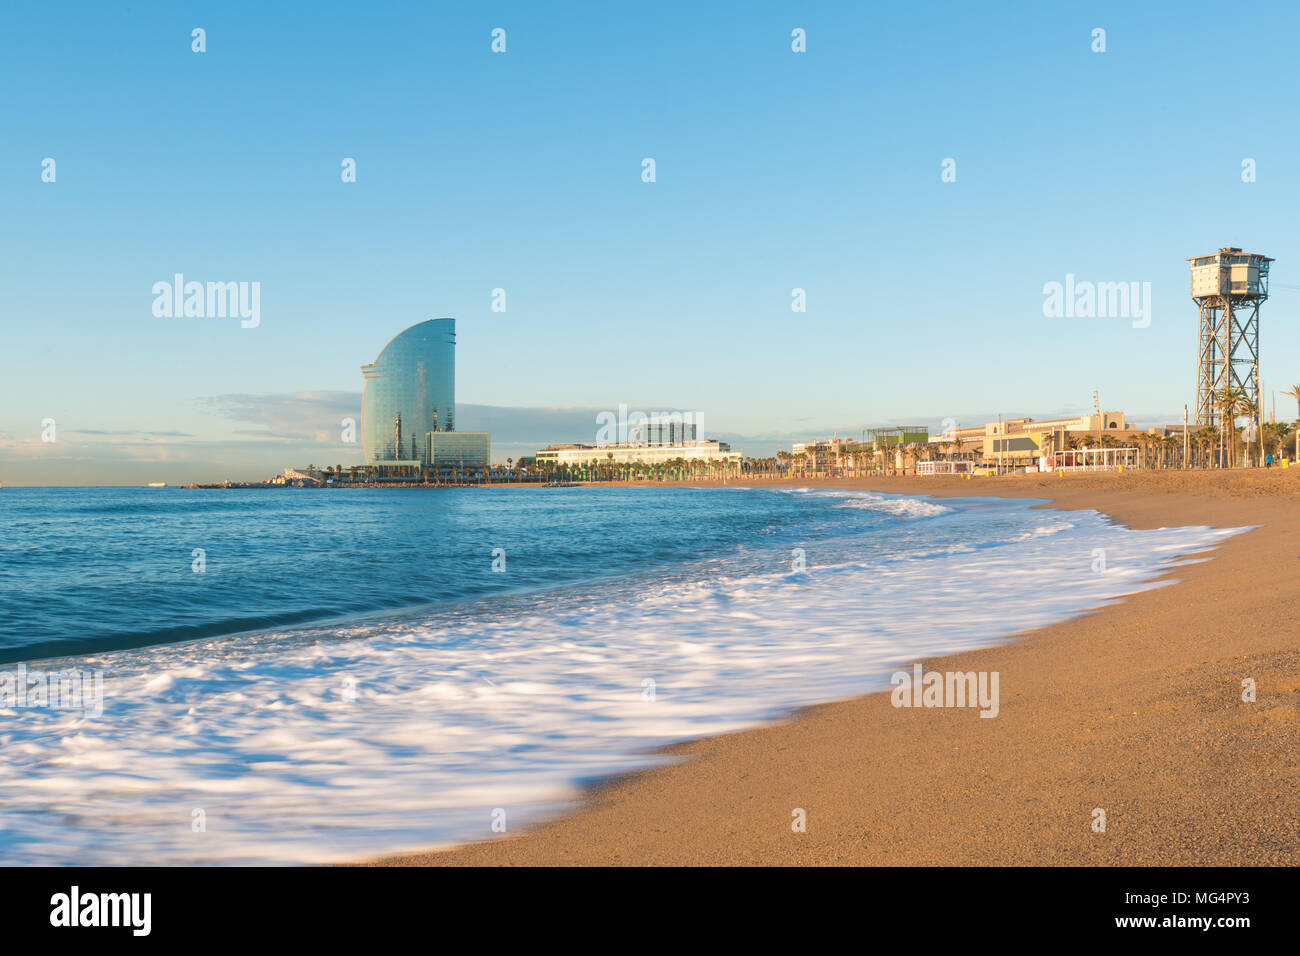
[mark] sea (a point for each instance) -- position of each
(303, 676)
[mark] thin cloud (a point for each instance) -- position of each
(304, 416)
(130, 431)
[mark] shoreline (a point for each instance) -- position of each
(1134, 708)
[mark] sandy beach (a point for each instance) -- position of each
(1136, 709)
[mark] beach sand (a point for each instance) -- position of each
(1135, 709)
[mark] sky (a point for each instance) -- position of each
(774, 170)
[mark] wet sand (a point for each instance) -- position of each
(1135, 709)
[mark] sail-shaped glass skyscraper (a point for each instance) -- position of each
(410, 391)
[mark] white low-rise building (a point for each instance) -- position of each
(640, 453)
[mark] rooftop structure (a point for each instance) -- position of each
(897, 435)
(657, 431)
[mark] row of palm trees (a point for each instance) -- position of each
(1249, 443)
(858, 459)
(675, 469)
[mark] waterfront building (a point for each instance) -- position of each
(457, 453)
(408, 409)
(823, 456)
(410, 391)
(1018, 442)
(577, 456)
(296, 476)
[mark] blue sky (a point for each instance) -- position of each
(774, 170)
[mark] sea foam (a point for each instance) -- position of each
(351, 740)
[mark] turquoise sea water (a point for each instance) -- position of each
(348, 676)
(93, 569)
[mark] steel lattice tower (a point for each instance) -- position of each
(1228, 288)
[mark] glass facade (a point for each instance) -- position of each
(410, 391)
(660, 432)
(463, 452)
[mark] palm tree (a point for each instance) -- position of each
(1173, 448)
(1295, 393)
(1205, 439)
(1285, 436)
(1143, 442)
(1232, 402)
(1271, 437)
(912, 452)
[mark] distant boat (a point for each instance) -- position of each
(157, 484)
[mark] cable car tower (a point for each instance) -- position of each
(1228, 288)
